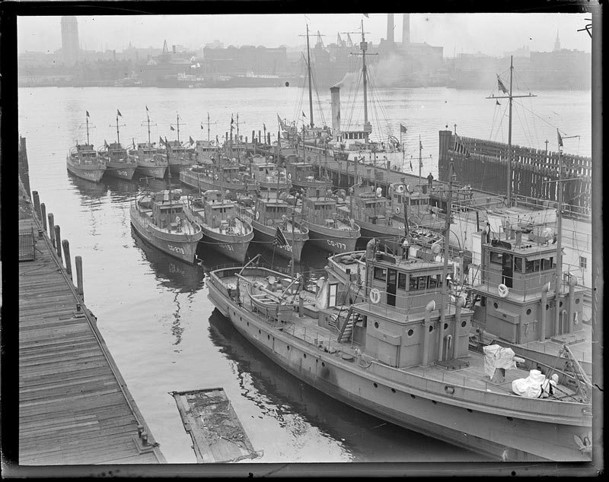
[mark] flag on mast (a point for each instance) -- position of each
(403, 128)
(559, 138)
(500, 85)
(191, 140)
(119, 113)
(87, 113)
(171, 127)
(146, 108)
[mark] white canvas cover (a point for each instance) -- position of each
(529, 387)
(496, 356)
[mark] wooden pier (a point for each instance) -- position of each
(74, 406)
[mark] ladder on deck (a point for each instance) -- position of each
(346, 329)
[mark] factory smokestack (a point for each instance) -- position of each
(390, 27)
(406, 30)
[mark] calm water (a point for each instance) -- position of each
(153, 311)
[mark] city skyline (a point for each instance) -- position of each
(456, 33)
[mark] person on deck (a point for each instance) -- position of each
(430, 180)
(405, 247)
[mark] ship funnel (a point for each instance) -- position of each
(335, 99)
(390, 27)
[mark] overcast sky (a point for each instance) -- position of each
(491, 34)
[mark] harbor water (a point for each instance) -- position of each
(153, 310)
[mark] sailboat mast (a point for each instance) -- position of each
(509, 158)
(118, 140)
(87, 119)
(309, 72)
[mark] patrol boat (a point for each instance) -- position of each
(159, 218)
(84, 161)
(151, 161)
(120, 162)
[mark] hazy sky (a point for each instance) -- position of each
(491, 34)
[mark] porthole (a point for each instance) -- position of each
(577, 301)
(393, 390)
(463, 324)
(434, 402)
(412, 396)
(259, 332)
(323, 364)
(529, 311)
(495, 305)
(547, 307)
(288, 347)
(376, 324)
(304, 355)
(445, 326)
(410, 332)
(560, 304)
(469, 410)
(430, 329)
(375, 385)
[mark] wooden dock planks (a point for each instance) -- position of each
(73, 404)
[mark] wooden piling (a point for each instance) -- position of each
(52, 228)
(79, 281)
(36, 203)
(43, 216)
(58, 240)
(66, 253)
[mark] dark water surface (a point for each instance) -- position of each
(153, 310)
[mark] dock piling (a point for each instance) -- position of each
(36, 203)
(43, 217)
(79, 283)
(66, 253)
(52, 228)
(58, 240)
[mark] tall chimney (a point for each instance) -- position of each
(406, 30)
(335, 99)
(390, 27)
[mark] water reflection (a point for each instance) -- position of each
(296, 405)
(171, 272)
(88, 190)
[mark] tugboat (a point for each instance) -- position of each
(274, 223)
(329, 229)
(402, 355)
(84, 161)
(159, 218)
(223, 228)
(151, 161)
(120, 162)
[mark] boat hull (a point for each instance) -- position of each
(407, 405)
(120, 170)
(205, 183)
(232, 246)
(266, 234)
(158, 172)
(90, 173)
(389, 235)
(332, 240)
(179, 245)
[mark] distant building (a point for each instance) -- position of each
(69, 40)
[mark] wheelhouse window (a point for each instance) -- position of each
(496, 258)
(402, 281)
(518, 265)
(380, 274)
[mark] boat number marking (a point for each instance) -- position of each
(228, 247)
(336, 244)
(122, 173)
(176, 249)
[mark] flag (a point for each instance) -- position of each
(232, 121)
(118, 112)
(106, 144)
(303, 114)
(498, 103)
(403, 128)
(500, 85)
(559, 138)
(167, 145)
(280, 238)
(264, 126)
(87, 113)
(146, 108)
(191, 141)
(133, 142)
(171, 127)
(201, 126)
(161, 141)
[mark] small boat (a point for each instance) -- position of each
(329, 229)
(266, 174)
(272, 214)
(151, 161)
(181, 157)
(120, 162)
(223, 174)
(223, 228)
(159, 218)
(302, 175)
(84, 161)
(402, 355)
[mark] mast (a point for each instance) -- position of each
(364, 47)
(87, 120)
(178, 126)
(559, 240)
(446, 243)
(208, 127)
(420, 158)
(510, 96)
(118, 140)
(148, 122)
(309, 73)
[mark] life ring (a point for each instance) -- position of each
(503, 290)
(400, 188)
(257, 215)
(216, 177)
(375, 295)
(290, 176)
(397, 209)
(408, 188)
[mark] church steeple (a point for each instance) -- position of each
(557, 42)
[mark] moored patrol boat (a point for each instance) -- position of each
(84, 161)
(120, 162)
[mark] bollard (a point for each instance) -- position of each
(52, 228)
(79, 283)
(66, 255)
(43, 211)
(36, 203)
(58, 241)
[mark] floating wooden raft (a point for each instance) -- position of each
(212, 423)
